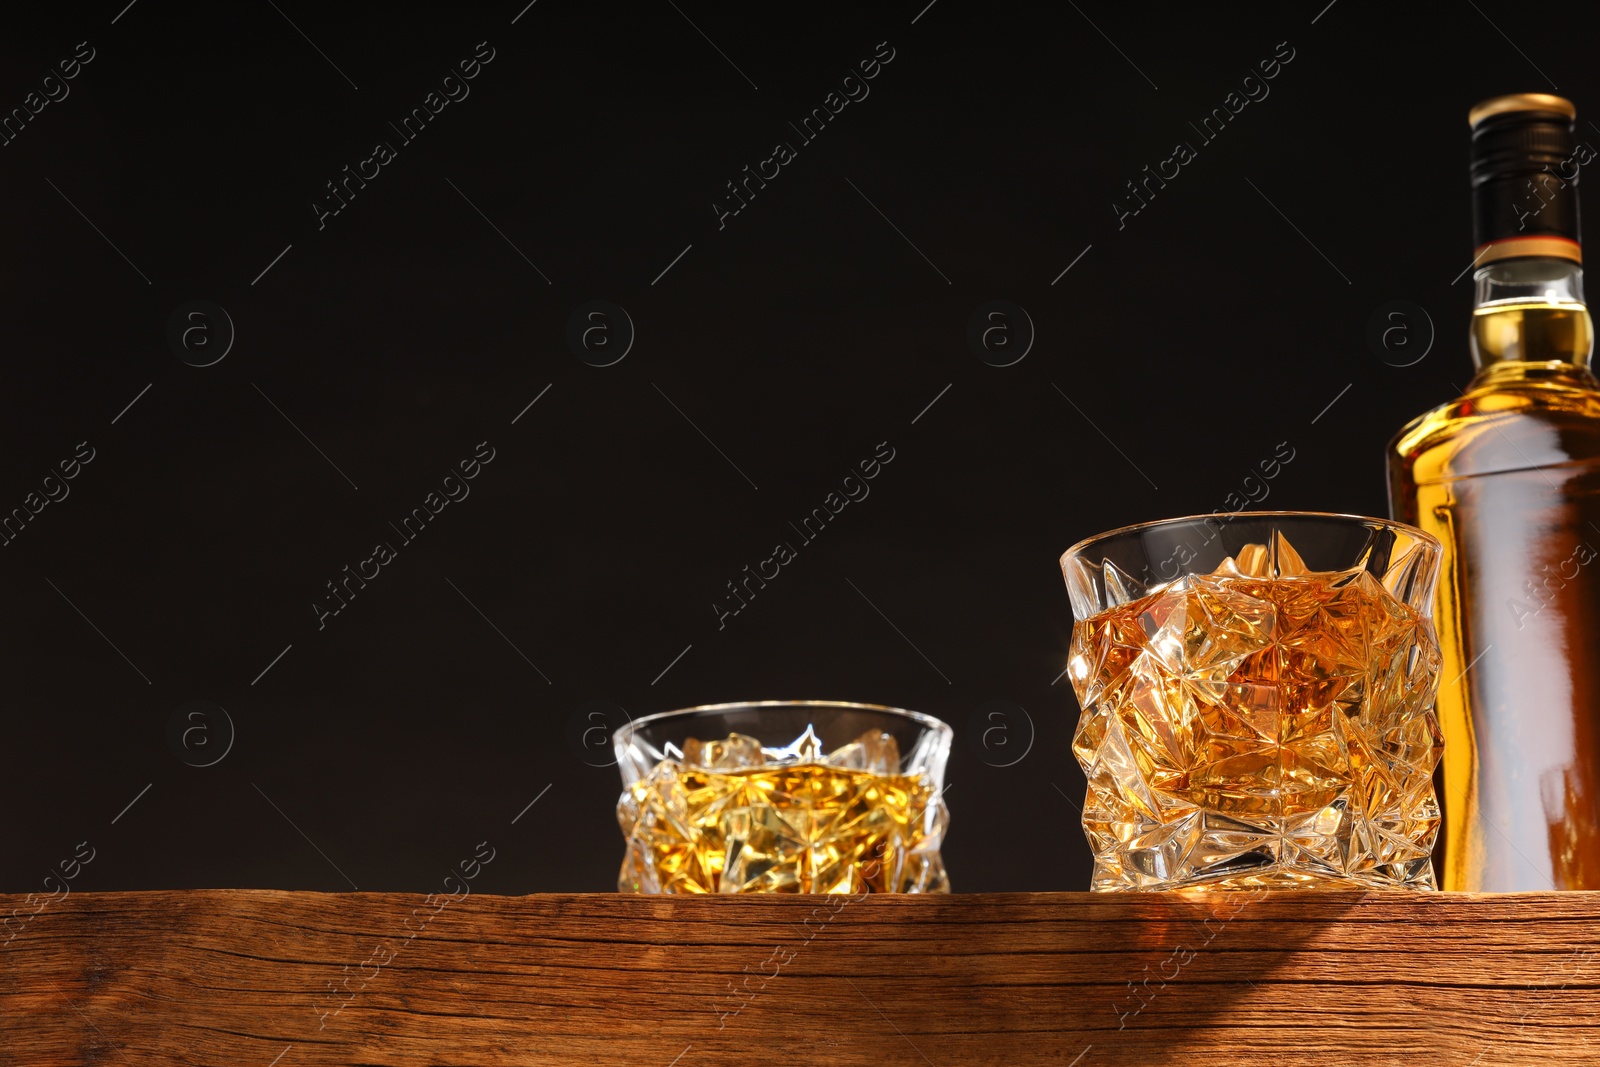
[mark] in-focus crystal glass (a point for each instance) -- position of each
(783, 796)
(1257, 701)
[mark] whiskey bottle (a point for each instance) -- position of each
(1507, 476)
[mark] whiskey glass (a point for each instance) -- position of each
(783, 796)
(1257, 701)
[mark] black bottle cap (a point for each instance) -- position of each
(1525, 178)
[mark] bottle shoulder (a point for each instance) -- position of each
(1506, 419)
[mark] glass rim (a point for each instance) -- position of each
(1230, 516)
(624, 732)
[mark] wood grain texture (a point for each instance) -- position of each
(275, 979)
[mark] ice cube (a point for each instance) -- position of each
(874, 751)
(1275, 560)
(1250, 562)
(731, 753)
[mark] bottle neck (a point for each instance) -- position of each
(1529, 316)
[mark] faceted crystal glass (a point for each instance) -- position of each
(1257, 701)
(780, 796)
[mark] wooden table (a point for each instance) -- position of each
(251, 978)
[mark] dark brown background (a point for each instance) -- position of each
(1223, 320)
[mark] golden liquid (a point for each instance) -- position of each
(797, 828)
(1241, 731)
(1528, 331)
(1508, 478)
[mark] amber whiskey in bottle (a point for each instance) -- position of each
(1507, 476)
